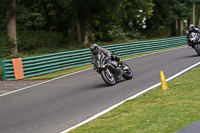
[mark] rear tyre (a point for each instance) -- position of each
(197, 48)
(108, 79)
(128, 74)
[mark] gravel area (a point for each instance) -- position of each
(8, 86)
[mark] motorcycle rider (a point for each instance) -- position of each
(97, 50)
(191, 29)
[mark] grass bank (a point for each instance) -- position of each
(157, 111)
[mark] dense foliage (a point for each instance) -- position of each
(54, 24)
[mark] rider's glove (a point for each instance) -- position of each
(107, 58)
(98, 64)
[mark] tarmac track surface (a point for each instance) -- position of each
(62, 103)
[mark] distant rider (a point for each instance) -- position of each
(191, 29)
(97, 50)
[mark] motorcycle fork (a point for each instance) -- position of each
(108, 71)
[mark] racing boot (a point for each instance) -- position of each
(125, 68)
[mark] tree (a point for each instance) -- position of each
(182, 11)
(169, 14)
(162, 15)
(198, 19)
(11, 26)
(192, 16)
(134, 12)
(197, 13)
(90, 16)
(192, 4)
(84, 21)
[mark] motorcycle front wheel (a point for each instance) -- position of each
(197, 48)
(127, 74)
(108, 77)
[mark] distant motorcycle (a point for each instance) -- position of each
(111, 70)
(194, 42)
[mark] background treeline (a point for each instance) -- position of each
(45, 26)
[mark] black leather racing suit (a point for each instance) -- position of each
(196, 30)
(99, 52)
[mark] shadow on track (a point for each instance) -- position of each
(191, 56)
(102, 85)
(105, 85)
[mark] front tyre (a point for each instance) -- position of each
(108, 77)
(127, 74)
(197, 48)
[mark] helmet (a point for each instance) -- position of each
(94, 48)
(191, 27)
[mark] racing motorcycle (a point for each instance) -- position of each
(111, 70)
(194, 42)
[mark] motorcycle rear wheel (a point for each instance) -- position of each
(197, 48)
(109, 80)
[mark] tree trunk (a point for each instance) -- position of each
(11, 28)
(192, 17)
(22, 2)
(86, 38)
(199, 20)
(180, 27)
(149, 25)
(79, 32)
(174, 28)
(134, 26)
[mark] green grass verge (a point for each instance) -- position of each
(157, 111)
(59, 73)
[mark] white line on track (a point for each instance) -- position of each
(132, 97)
(42, 83)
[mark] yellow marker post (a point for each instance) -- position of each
(164, 85)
